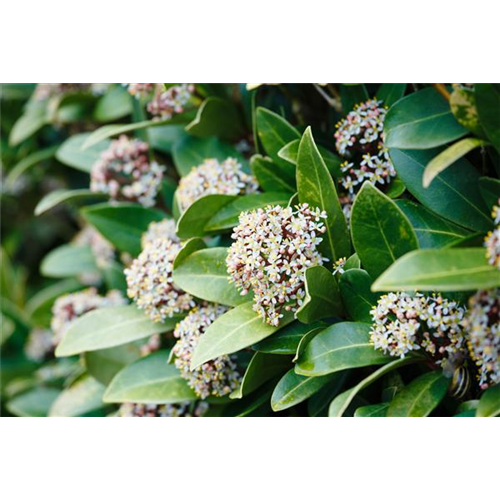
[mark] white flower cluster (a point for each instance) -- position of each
(39, 345)
(483, 328)
(404, 323)
(158, 230)
(102, 249)
(150, 283)
(217, 377)
(167, 103)
(124, 172)
(360, 139)
(214, 177)
(70, 307)
(44, 91)
(196, 409)
(492, 241)
(273, 248)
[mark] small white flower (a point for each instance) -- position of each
(156, 230)
(150, 284)
(124, 172)
(214, 177)
(217, 377)
(482, 324)
(273, 248)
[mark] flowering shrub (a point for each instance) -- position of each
(250, 250)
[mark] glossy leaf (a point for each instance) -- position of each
(355, 287)
(318, 403)
(71, 153)
(149, 380)
(55, 198)
(216, 117)
(380, 231)
(262, 367)
(275, 132)
(489, 404)
(339, 347)
(379, 410)
(454, 194)
(464, 109)
(488, 107)
(315, 186)
(270, 176)
(420, 397)
(352, 94)
(421, 120)
(189, 152)
(287, 340)
(305, 340)
(83, 397)
(432, 231)
(390, 93)
(293, 389)
(227, 217)
(454, 269)
(122, 224)
(68, 260)
(449, 156)
(34, 118)
(204, 275)
(33, 403)
(109, 327)
(113, 105)
(235, 330)
(322, 299)
(490, 190)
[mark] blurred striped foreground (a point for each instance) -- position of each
(365, 456)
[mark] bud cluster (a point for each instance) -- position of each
(195, 409)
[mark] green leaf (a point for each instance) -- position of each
(395, 189)
(60, 196)
(109, 327)
(488, 107)
(270, 176)
(305, 340)
(432, 231)
(352, 94)
(217, 117)
(189, 152)
(165, 137)
(204, 275)
(71, 153)
(290, 152)
(355, 287)
(293, 389)
(339, 347)
(380, 231)
(34, 118)
(463, 107)
(113, 105)
(83, 397)
(420, 397)
(322, 299)
(68, 260)
(197, 216)
(315, 186)
(450, 270)
(490, 190)
(454, 193)
(275, 132)
(390, 93)
(287, 340)
(489, 404)
(379, 410)
(254, 405)
(449, 156)
(149, 380)
(262, 367)
(235, 330)
(317, 405)
(122, 224)
(27, 162)
(104, 364)
(34, 403)
(421, 120)
(227, 217)
(108, 131)
(340, 404)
